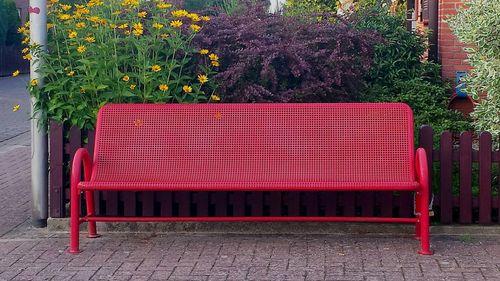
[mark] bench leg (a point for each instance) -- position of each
(75, 220)
(89, 197)
(424, 222)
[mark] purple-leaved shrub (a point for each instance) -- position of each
(274, 58)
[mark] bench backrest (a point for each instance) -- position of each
(254, 143)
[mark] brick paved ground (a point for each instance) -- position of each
(34, 254)
(13, 92)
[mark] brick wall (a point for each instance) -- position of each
(450, 51)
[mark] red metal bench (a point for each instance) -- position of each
(252, 147)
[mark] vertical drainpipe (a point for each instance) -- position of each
(39, 154)
(433, 28)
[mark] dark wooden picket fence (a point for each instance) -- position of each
(464, 182)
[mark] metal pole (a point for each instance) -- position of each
(39, 154)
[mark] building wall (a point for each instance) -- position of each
(451, 54)
(450, 50)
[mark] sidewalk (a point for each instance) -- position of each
(37, 254)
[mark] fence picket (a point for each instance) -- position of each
(201, 201)
(465, 165)
(446, 180)
(293, 203)
(56, 209)
(385, 203)
(485, 148)
(275, 204)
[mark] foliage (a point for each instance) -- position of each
(273, 58)
(399, 73)
(122, 52)
(299, 7)
(228, 6)
(9, 23)
(477, 26)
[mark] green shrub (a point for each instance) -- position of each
(9, 21)
(477, 25)
(398, 73)
(299, 7)
(123, 52)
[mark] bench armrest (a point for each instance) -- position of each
(422, 171)
(81, 156)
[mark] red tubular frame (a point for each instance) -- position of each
(422, 202)
(418, 163)
(81, 156)
(261, 219)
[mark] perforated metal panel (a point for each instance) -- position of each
(254, 147)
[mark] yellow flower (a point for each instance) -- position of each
(71, 73)
(15, 73)
(193, 17)
(126, 78)
(65, 7)
(202, 78)
(176, 23)
(215, 97)
(204, 51)
(64, 17)
(92, 3)
(142, 14)
(195, 27)
(50, 25)
(72, 34)
(34, 82)
(16, 108)
(180, 13)
(25, 50)
(138, 32)
(112, 25)
(81, 49)
(123, 26)
(138, 29)
(130, 3)
(81, 11)
(27, 57)
(22, 29)
(127, 32)
(164, 6)
(163, 87)
(132, 87)
(80, 25)
(90, 39)
(205, 18)
(164, 35)
(95, 19)
(115, 13)
(155, 68)
(215, 63)
(82, 90)
(187, 89)
(157, 25)
(213, 56)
